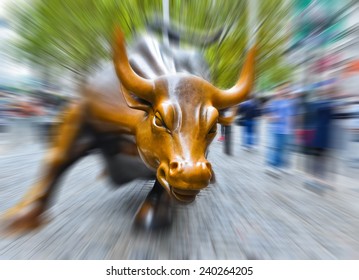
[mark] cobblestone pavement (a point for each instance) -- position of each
(246, 214)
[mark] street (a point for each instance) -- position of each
(246, 214)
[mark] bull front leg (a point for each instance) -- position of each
(156, 211)
(28, 213)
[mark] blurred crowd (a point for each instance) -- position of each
(19, 114)
(321, 125)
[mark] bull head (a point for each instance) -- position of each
(182, 112)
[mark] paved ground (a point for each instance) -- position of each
(245, 215)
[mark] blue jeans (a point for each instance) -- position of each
(278, 152)
(248, 132)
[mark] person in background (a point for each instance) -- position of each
(321, 144)
(280, 114)
(3, 114)
(222, 137)
(354, 130)
(249, 110)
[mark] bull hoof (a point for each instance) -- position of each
(24, 219)
(153, 217)
(155, 213)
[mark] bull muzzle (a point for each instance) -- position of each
(184, 179)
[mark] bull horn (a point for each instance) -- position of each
(235, 95)
(142, 88)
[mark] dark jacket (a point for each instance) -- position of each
(249, 110)
(322, 123)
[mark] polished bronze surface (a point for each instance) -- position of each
(166, 118)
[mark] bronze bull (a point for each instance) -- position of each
(148, 122)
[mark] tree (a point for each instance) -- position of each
(77, 35)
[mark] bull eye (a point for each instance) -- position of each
(158, 121)
(213, 129)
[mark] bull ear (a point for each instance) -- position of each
(227, 98)
(140, 87)
(134, 101)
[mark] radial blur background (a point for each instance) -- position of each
(287, 168)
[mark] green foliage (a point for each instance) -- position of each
(78, 34)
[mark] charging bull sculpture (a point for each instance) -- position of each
(149, 121)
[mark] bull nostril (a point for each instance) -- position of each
(173, 165)
(162, 173)
(209, 166)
